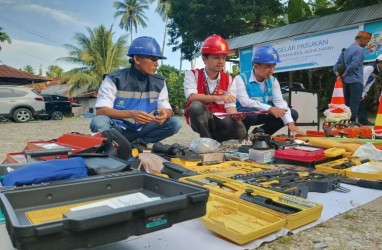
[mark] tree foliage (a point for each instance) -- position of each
(54, 71)
(29, 69)
(343, 5)
(174, 80)
(4, 37)
(132, 14)
(96, 54)
(192, 21)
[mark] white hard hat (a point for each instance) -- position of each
(379, 58)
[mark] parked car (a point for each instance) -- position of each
(19, 103)
(56, 107)
(285, 89)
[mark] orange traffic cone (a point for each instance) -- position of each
(337, 97)
(378, 119)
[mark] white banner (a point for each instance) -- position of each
(313, 51)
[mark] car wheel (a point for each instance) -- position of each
(57, 115)
(22, 115)
(4, 119)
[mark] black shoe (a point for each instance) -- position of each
(366, 123)
(140, 146)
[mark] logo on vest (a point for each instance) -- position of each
(120, 103)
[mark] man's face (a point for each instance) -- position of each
(263, 71)
(364, 42)
(146, 64)
(215, 62)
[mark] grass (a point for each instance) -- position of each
(349, 216)
(285, 240)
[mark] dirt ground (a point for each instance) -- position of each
(360, 228)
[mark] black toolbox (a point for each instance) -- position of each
(39, 217)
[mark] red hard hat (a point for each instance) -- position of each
(215, 44)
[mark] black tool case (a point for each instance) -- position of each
(100, 225)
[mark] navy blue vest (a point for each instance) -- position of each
(135, 91)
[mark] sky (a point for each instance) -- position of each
(39, 28)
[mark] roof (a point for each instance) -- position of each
(64, 89)
(15, 76)
(346, 18)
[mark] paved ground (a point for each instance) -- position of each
(359, 228)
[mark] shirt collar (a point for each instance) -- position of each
(208, 79)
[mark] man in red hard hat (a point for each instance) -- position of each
(210, 90)
(135, 100)
(258, 90)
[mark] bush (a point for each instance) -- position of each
(174, 80)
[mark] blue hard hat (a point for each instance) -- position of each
(145, 45)
(265, 54)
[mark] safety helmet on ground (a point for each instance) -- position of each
(214, 44)
(265, 54)
(146, 46)
(378, 59)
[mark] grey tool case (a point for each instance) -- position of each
(100, 225)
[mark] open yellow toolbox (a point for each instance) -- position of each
(239, 222)
(226, 168)
(296, 211)
(353, 167)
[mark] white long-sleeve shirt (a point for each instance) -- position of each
(277, 98)
(108, 92)
(190, 86)
(367, 71)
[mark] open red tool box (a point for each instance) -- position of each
(57, 148)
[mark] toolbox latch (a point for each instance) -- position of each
(49, 229)
(197, 198)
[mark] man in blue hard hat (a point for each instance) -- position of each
(135, 100)
(258, 90)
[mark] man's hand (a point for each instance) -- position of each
(142, 117)
(227, 98)
(292, 127)
(161, 116)
(277, 112)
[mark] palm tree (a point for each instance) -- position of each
(132, 14)
(96, 54)
(163, 7)
(29, 69)
(54, 71)
(4, 37)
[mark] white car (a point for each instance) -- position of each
(19, 103)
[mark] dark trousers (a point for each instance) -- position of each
(353, 96)
(209, 126)
(362, 114)
(270, 123)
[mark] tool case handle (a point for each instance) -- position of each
(102, 216)
(46, 152)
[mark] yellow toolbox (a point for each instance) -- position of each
(226, 168)
(296, 211)
(353, 167)
(238, 222)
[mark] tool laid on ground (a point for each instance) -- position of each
(294, 182)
